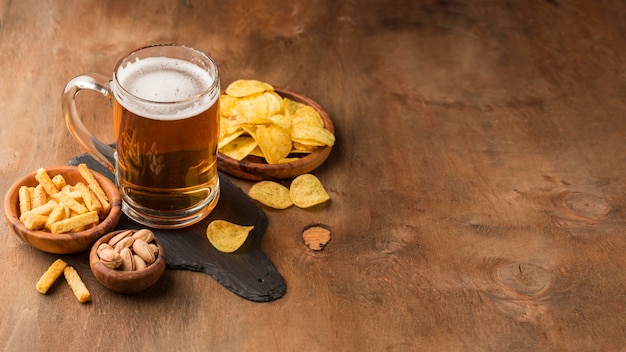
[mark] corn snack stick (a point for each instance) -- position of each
(78, 221)
(91, 200)
(70, 202)
(49, 277)
(40, 196)
(59, 181)
(95, 187)
(76, 284)
(25, 199)
(45, 180)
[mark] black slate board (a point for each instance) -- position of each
(247, 272)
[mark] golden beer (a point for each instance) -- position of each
(166, 153)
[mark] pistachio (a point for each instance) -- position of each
(144, 234)
(110, 258)
(125, 242)
(127, 260)
(155, 248)
(115, 239)
(142, 249)
(103, 246)
(139, 263)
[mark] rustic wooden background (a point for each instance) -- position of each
(478, 182)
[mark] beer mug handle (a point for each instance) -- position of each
(102, 152)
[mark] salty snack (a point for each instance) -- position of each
(95, 187)
(129, 250)
(50, 276)
(271, 194)
(255, 120)
(227, 237)
(57, 207)
(307, 190)
(76, 284)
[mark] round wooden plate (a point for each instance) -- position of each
(256, 169)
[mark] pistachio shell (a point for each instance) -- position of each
(125, 242)
(103, 246)
(139, 263)
(110, 258)
(115, 239)
(144, 234)
(142, 249)
(128, 264)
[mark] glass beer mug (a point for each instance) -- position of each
(166, 126)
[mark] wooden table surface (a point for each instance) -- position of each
(478, 182)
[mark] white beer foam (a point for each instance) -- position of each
(161, 80)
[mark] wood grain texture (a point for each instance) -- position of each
(477, 182)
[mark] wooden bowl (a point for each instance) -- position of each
(68, 242)
(127, 281)
(256, 169)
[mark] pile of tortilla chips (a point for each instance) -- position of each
(256, 121)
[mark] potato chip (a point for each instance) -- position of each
(252, 107)
(271, 194)
(246, 87)
(239, 148)
(228, 104)
(274, 141)
(280, 120)
(257, 152)
(312, 135)
(290, 106)
(274, 103)
(227, 237)
(306, 191)
(228, 138)
(306, 115)
(302, 148)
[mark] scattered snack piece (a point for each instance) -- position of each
(76, 284)
(316, 237)
(227, 237)
(307, 190)
(49, 277)
(271, 194)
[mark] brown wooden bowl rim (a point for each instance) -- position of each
(302, 161)
(11, 209)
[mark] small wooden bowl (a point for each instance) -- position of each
(68, 242)
(255, 169)
(127, 281)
